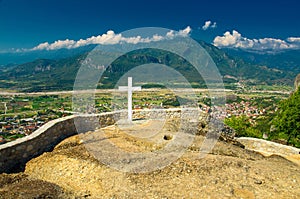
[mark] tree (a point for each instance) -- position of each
(287, 120)
(242, 126)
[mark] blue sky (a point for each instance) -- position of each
(27, 23)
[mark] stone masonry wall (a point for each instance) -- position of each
(15, 154)
(267, 147)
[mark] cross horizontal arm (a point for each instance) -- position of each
(136, 88)
(123, 88)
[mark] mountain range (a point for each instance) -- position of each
(288, 60)
(56, 70)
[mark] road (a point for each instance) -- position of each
(155, 89)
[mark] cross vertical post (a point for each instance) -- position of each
(130, 98)
(5, 108)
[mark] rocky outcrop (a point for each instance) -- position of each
(24, 186)
(70, 170)
(227, 172)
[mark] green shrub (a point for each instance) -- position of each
(287, 120)
(243, 127)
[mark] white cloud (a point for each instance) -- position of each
(209, 24)
(228, 39)
(62, 44)
(185, 32)
(236, 40)
(41, 46)
(110, 37)
(293, 39)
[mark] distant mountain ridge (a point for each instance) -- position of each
(25, 56)
(59, 74)
(288, 60)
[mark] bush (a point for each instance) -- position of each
(287, 120)
(243, 127)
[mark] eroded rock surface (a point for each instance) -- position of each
(228, 171)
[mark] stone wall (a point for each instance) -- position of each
(267, 147)
(15, 154)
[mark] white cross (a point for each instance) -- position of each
(5, 107)
(129, 89)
